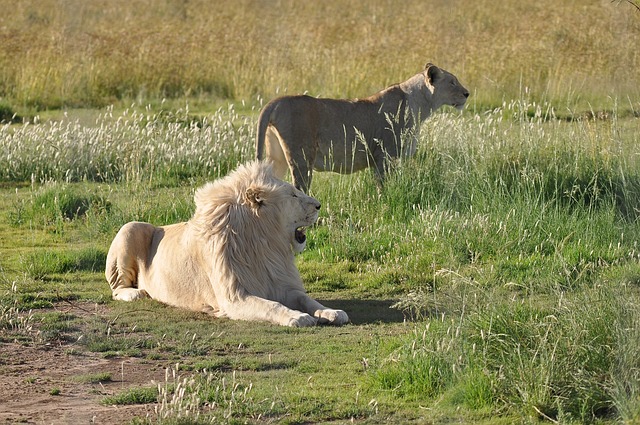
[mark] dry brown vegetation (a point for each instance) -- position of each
(574, 53)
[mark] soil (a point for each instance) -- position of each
(39, 383)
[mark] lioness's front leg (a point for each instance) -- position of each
(301, 161)
(301, 174)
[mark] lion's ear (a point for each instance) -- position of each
(433, 72)
(255, 197)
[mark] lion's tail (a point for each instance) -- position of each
(263, 122)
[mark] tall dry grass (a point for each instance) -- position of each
(88, 53)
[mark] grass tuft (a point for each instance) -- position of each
(140, 395)
(53, 205)
(42, 264)
(93, 378)
(13, 316)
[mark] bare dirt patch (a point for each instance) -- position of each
(39, 382)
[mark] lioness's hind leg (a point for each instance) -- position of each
(275, 153)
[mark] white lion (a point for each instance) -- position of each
(234, 258)
(304, 133)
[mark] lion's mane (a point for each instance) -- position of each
(250, 248)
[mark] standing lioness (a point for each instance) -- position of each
(303, 133)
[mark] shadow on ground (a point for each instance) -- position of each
(363, 312)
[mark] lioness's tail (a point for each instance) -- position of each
(263, 122)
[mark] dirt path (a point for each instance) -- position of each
(39, 385)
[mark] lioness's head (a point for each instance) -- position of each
(445, 87)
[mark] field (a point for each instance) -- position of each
(495, 278)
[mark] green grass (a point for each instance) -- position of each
(42, 264)
(60, 203)
(509, 241)
(507, 247)
(556, 360)
(93, 378)
(133, 396)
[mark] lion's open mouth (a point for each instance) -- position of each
(301, 235)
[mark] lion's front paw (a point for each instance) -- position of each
(333, 317)
(302, 320)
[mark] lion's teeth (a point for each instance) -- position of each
(300, 234)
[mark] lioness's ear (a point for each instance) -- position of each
(433, 72)
(254, 197)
